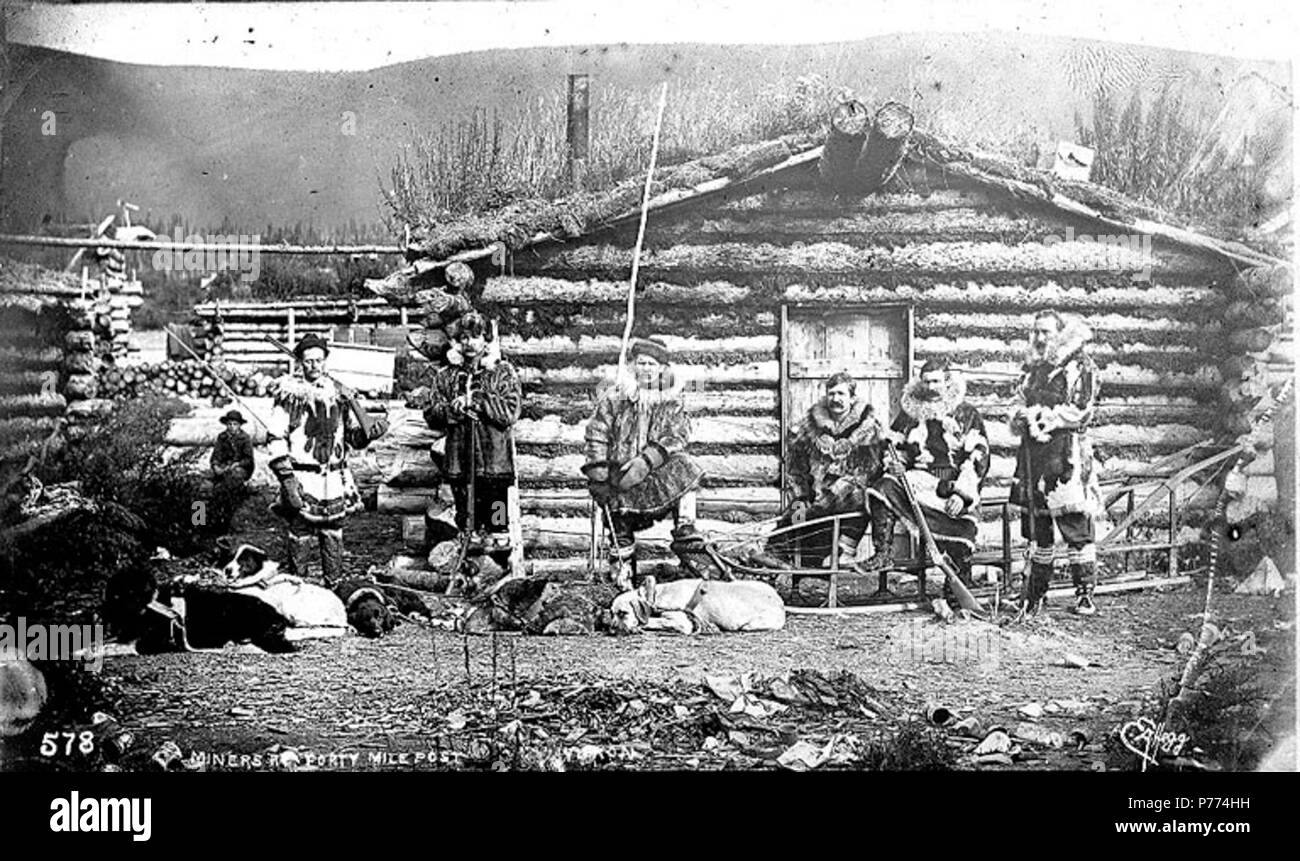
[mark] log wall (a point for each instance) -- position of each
(974, 264)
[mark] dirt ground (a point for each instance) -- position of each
(390, 703)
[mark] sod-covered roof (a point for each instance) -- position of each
(32, 287)
(526, 223)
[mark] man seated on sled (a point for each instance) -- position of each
(834, 459)
(638, 470)
(943, 454)
(475, 400)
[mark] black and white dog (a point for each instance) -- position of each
(252, 602)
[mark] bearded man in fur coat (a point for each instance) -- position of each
(638, 469)
(943, 455)
(1055, 481)
(834, 459)
(314, 423)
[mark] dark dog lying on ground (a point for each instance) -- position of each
(165, 608)
(139, 608)
(374, 608)
(542, 607)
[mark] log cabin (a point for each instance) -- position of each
(56, 329)
(770, 266)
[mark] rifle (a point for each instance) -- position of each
(964, 597)
(469, 488)
(348, 394)
(217, 376)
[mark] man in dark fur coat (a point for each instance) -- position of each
(1055, 481)
(476, 400)
(833, 460)
(943, 453)
(637, 465)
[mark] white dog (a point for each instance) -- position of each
(698, 606)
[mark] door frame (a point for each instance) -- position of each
(784, 377)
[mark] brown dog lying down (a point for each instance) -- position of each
(698, 606)
(373, 608)
(541, 607)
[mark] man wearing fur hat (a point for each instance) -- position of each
(1055, 483)
(833, 460)
(314, 422)
(475, 400)
(943, 455)
(637, 467)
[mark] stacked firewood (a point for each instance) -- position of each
(186, 378)
(1262, 358)
(1257, 344)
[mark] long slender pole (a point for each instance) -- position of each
(216, 376)
(640, 233)
(168, 245)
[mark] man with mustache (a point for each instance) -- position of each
(314, 423)
(1055, 483)
(833, 460)
(943, 455)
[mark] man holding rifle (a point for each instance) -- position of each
(314, 422)
(942, 452)
(475, 401)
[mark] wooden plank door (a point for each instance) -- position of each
(871, 344)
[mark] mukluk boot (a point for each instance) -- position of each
(1034, 599)
(688, 546)
(882, 542)
(846, 552)
(1084, 577)
(622, 566)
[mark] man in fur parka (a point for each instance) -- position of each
(943, 454)
(314, 423)
(1055, 481)
(638, 468)
(475, 400)
(834, 459)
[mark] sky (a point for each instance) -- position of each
(360, 36)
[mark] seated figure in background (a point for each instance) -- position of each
(232, 467)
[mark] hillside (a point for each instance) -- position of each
(256, 147)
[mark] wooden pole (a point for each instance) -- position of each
(578, 129)
(165, 245)
(640, 234)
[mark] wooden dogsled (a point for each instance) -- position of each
(807, 550)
